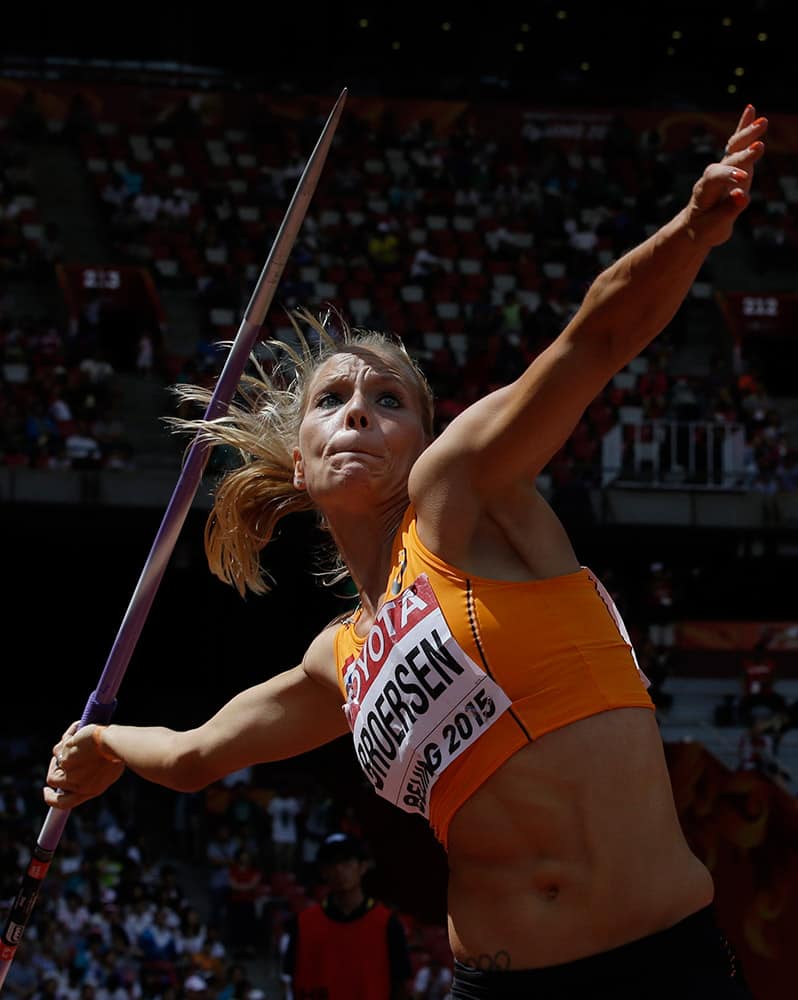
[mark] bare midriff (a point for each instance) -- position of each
(572, 847)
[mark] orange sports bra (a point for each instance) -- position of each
(459, 672)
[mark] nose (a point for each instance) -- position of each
(357, 412)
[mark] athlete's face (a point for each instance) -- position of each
(361, 430)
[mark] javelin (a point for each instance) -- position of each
(102, 702)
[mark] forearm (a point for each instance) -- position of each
(161, 755)
(635, 298)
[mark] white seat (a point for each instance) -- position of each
(216, 255)
(437, 222)
(412, 293)
(625, 380)
(141, 148)
(222, 317)
(25, 202)
(326, 289)
(701, 290)
(504, 282)
(530, 298)
(630, 415)
(360, 309)
(33, 231)
(459, 344)
(167, 267)
(434, 341)
(463, 223)
(789, 185)
(249, 213)
(447, 310)
(554, 269)
(776, 207)
(469, 265)
(16, 372)
(523, 239)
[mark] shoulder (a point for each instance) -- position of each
(319, 659)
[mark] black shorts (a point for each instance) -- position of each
(690, 961)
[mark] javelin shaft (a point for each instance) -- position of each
(102, 702)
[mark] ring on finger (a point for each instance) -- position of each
(59, 761)
(727, 151)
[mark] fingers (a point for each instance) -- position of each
(748, 115)
(719, 183)
(69, 732)
(750, 129)
(61, 799)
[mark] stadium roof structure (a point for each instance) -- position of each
(715, 55)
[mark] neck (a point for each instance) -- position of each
(348, 900)
(364, 540)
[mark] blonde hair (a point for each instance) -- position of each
(262, 425)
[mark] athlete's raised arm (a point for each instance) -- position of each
(511, 434)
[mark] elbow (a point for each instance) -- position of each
(188, 768)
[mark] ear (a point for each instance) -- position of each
(299, 470)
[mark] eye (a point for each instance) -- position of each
(328, 400)
(389, 400)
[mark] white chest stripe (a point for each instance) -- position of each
(415, 699)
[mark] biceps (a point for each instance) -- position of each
(285, 716)
(512, 433)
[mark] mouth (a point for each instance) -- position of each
(353, 453)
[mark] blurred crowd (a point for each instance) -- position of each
(475, 248)
(191, 903)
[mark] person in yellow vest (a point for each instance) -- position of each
(349, 946)
(486, 677)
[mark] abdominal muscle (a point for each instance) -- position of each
(571, 848)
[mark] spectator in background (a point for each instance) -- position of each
(284, 810)
(145, 357)
(384, 247)
(349, 946)
(425, 266)
(757, 752)
(246, 885)
(220, 853)
(759, 700)
(660, 604)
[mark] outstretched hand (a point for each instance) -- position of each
(77, 770)
(723, 190)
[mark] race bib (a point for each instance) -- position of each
(415, 699)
